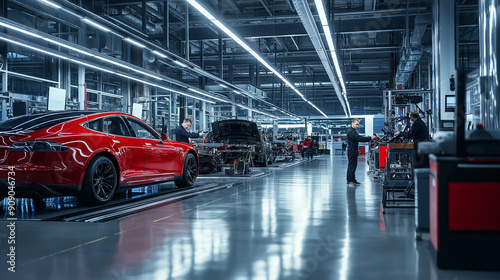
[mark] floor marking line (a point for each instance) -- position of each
(65, 250)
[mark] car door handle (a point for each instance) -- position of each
(148, 144)
(180, 149)
(116, 141)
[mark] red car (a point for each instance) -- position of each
(88, 154)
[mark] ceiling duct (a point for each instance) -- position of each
(413, 53)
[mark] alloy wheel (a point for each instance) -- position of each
(103, 180)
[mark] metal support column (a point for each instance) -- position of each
(275, 129)
(305, 126)
(81, 87)
(187, 31)
(4, 89)
(144, 21)
(221, 65)
(203, 116)
(202, 78)
(250, 113)
(166, 24)
(182, 108)
(257, 74)
(127, 102)
(3, 54)
(444, 60)
(230, 72)
(251, 70)
(234, 110)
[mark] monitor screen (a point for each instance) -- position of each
(450, 103)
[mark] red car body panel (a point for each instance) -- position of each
(139, 161)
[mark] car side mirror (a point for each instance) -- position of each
(164, 136)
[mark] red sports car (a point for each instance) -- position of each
(88, 154)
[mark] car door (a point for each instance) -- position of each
(128, 149)
(160, 155)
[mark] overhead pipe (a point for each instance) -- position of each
(413, 52)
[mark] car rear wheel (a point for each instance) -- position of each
(99, 183)
(189, 172)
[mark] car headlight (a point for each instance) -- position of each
(38, 146)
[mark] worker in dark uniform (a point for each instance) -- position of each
(353, 139)
(181, 133)
(418, 132)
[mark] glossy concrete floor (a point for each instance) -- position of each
(302, 222)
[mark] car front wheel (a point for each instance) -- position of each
(100, 181)
(189, 172)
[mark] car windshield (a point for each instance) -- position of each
(39, 121)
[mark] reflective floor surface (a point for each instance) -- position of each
(300, 222)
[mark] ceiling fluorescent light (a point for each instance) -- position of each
(201, 9)
(180, 63)
(257, 111)
(20, 30)
(51, 4)
(206, 94)
(159, 54)
(135, 42)
(321, 12)
(95, 24)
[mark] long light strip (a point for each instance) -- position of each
(180, 63)
(257, 111)
(329, 40)
(237, 39)
(102, 69)
(95, 24)
(159, 54)
(206, 94)
(20, 30)
(134, 42)
(54, 5)
(80, 51)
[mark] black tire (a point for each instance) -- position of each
(189, 172)
(100, 181)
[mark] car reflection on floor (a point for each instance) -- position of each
(167, 241)
(30, 209)
(137, 242)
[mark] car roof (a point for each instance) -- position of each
(50, 118)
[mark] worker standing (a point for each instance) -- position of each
(418, 132)
(353, 139)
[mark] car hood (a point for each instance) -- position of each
(235, 130)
